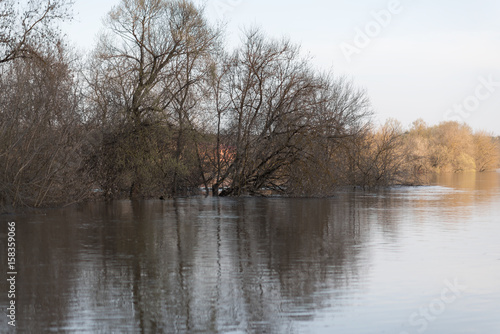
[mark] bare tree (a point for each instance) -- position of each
(280, 113)
(143, 79)
(148, 46)
(24, 30)
(268, 88)
(215, 154)
(41, 132)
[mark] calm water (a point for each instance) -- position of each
(401, 261)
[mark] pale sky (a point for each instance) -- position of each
(432, 59)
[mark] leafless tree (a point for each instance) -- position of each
(143, 81)
(275, 106)
(340, 119)
(23, 30)
(41, 131)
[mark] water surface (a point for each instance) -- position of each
(402, 260)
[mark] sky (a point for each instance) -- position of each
(435, 60)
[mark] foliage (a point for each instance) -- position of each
(453, 147)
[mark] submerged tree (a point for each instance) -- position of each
(277, 110)
(340, 118)
(41, 131)
(142, 85)
(166, 109)
(270, 92)
(41, 125)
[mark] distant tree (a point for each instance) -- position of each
(379, 157)
(486, 151)
(452, 147)
(418, 147)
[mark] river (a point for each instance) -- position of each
(402, 260)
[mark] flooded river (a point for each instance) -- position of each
(398, 261)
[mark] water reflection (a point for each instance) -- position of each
(192, 265)
(203, 265)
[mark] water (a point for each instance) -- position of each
(402, 261)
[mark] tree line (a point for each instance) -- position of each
(161, 107)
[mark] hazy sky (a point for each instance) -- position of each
(436, 60)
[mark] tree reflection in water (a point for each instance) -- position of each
(257, 265)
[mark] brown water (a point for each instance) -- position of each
(402, 261)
